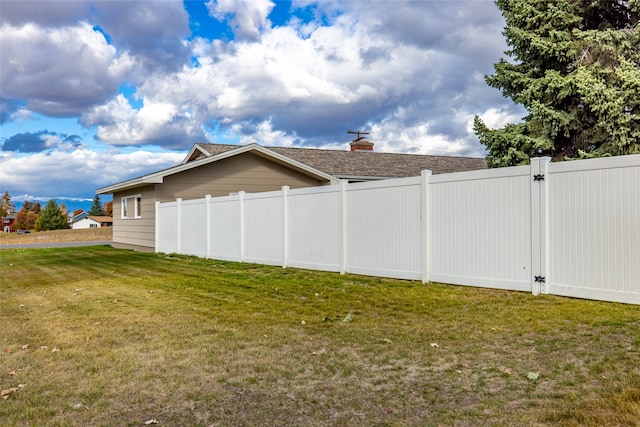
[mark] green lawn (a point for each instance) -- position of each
(105, 337)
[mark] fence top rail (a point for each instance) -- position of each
(225, 199)
(595, 164)
(334, 188)
(385, 183)
(164, 205)
(193, 202)
(481, 174)
(263, 195)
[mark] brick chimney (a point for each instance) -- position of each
(361, 145)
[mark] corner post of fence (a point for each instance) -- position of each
(207, 205)
(241, 203)
(157, 226)
(343, 229)
(179, 225)
(285, 228)
(538, 182)
(425, 209)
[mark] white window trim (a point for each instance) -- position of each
(131, 205)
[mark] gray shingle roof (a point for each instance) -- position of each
(349, 164)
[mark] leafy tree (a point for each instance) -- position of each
(32, 206)
(6, 205)
(27, 216)
(576, 69)
(25, 220)
(51, 217)
(78, 212)
(64, 210)
(96, 207)
(108, 208)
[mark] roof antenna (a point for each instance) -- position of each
(359, 133)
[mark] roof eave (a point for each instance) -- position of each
(131, 184)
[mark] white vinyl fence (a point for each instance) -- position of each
(569, 228)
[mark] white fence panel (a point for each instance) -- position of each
(264, 228)
(384, 228)
(594, 232)
(167, 227)
(315, 228)
(225, 234)
(193, 227)
(570, 228)
(481, 228)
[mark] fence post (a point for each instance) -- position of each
(285, 228)
(241, 201)
(207, 201)
(538, 184)
(157, 226)
(343, 219)
(179, 207)
(425, 209)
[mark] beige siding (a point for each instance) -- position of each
(136, 232)
(245, 172)
(137, 248)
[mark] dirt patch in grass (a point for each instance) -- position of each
(82, 235)
(116, 337)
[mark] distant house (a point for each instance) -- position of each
(77, 217)
(7, 222)
(92, 222)
(219, 170)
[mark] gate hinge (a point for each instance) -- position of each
(539, 279)
(538, 177)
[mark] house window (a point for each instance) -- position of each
(131, 207)
(93, 225)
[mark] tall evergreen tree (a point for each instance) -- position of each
(575, 67)
(96, 207)
(51, 217)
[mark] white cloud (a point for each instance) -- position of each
(496, 118)
(152, 31)
(393, 137)
(346, 75)
(324, 88)
(411, 72)
(248, 18)
(33, 198)
(21, 115)
(60, 71)
(264, 134)
(83, 170)
(156, 123)
(311, 83)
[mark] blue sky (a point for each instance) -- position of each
(96, 92)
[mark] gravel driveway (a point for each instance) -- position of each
(54, 245)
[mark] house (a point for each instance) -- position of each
(77, 218)
(7, 222)
(219, 169)
(92, 222)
